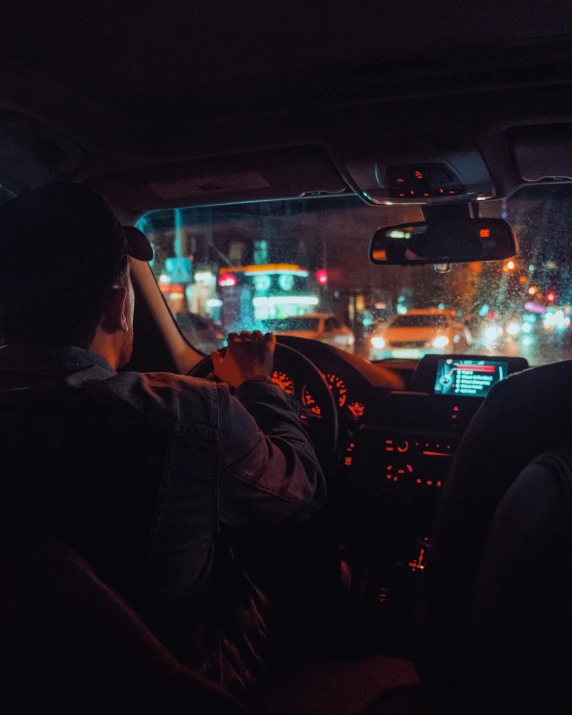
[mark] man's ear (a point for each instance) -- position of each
(115, 311)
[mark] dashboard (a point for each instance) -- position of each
(350, 379)
(416, 394)
(398, 438)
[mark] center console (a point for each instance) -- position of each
(463, 375)
(395, 467)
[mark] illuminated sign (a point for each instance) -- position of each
(285, 300)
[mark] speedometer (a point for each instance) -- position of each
(283, 380)
(338, 387)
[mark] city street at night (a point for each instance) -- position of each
(267, 265)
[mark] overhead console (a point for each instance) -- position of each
(428, 168)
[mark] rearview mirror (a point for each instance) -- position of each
(460, 241)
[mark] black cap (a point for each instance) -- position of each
(63, 221)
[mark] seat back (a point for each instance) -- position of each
(520, 647)
(71, 645)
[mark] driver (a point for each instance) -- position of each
(138, 471)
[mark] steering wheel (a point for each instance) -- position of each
(322, 428)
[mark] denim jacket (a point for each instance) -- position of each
(138, 471)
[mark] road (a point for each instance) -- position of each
(539, 351)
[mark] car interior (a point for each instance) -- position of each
(408, 115)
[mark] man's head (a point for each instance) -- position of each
(64, 271)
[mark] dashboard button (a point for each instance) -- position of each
(419, 176)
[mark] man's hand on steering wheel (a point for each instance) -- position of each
(249, 356)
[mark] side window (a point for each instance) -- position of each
(331, 325)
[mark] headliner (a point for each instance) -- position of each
(98, 89)
(120, 49)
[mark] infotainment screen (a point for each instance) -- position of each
(469, 377)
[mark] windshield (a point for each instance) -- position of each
(267, 265)
(419, 321)
(291, 325)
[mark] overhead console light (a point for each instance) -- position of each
(421, 169)
(423, 181)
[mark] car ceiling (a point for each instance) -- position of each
(134, 47)
(119, 87)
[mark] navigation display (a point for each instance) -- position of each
(469, 378)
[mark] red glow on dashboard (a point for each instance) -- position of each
(356, 409)
(417, 564)
(338, 387)
(284, 381)
(310, 403)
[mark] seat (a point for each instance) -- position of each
(520, 645)
(71, 645)
(375, 685)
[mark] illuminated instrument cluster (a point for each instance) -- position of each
(283, 380)
(338, 387)
(354, 409)
(309, 402)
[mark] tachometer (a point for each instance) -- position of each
(283, 380)
(338, 387)
(310, 403)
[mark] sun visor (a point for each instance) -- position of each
(260, 176)
(543, 152)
